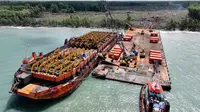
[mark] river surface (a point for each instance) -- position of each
(94, 95)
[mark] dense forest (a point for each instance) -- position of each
(33, 13)
(192, 22)
(97, 5)
(28, 13)
(194, 11)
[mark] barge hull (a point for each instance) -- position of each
(141, 99)
(62, 91)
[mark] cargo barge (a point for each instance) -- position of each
(61, 71)
(137, 57)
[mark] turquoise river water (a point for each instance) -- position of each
(94, 95)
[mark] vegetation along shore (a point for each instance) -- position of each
(163, 15)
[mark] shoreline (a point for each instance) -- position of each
(55, 27)
(51, 27)
(101, 28)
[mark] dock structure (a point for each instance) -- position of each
(149, 64)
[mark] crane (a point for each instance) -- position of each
(112, 17)
(115, 28)
(113, 25)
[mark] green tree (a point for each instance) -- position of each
(129, 17)
(54, 8)
(194, 11)
(171, 25)
(35, 12)
(62, 5)
(183, 24)
(193, 24)
(41, 7)
(71, 10)
(27, 5)
(86, 22)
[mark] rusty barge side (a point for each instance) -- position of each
(141, 99)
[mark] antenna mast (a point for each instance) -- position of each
(27, 51)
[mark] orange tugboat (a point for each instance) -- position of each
(61, 71)
(152, 98)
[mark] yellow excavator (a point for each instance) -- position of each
(142, 32)
(124, 61)
(142, 53)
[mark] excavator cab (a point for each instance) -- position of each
(150, 30)
(133, 55)
(101, 56)
(123, 61)
(131, 29)
(142, 32)
(142, 53)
